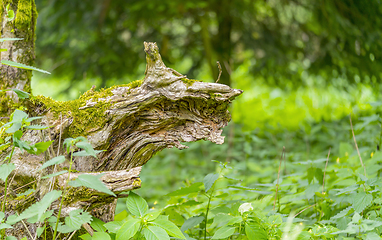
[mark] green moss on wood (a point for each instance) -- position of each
(189, 82)
(85, 120)
(24, 13)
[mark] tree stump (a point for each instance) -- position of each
(130, 123)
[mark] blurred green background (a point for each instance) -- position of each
(304, 66)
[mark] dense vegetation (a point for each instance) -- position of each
(301, 158)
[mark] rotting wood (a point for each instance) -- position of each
(131, 123)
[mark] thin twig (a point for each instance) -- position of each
(59, 139)
(304, 210)
(323, 180)
(220, 71)
(356, 146)
(30, 234)
(88, 228)
(71, 235)
(278, 177)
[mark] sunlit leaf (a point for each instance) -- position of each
(98, 225)
(5, 170)
(76, 218)
(53, 161)
(101, 236)
(361, 201)
(192, 222)
(91, 181)
(186, 190)
(128, 229)
(170, 228)
(22, 66)
(209, 180)
(136, 205)
(155, 233)
(224, 232)
(54, 174)
(87, 147)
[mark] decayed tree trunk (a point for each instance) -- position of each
(130, 122)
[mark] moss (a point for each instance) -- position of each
(85, 194)
(85, 120)
(24, 13)
(189, 82)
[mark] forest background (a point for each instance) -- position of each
(304, 66)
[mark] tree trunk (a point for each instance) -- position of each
(131, 122)
(22, 51)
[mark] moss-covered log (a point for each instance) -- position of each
(130, 122)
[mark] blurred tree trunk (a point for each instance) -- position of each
(223, 39)
(22, 51)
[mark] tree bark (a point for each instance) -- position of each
(22, 51)
(131, 122)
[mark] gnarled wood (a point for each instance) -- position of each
(131, 123)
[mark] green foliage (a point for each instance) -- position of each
(91, 181)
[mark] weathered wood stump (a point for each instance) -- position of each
(130, 122)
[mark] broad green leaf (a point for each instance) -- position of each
(128, 229)
(86, 236)
(152, 215)
(84, 153)
(5, 225)
(40, 230)
(136, 205)
(186, 190)
(101, 236)
(53, 161)
(14, 127)
(255, 232)
(10, 238)
(21, 94)
(10, 39)
(62, 228)
(91, 181)
(223, 232)
(114, 226)
(87, 147)
(372, 236)
(361, 201)
(22, 66)
(39, 208)
(2, 215)
(76, 218)
(155, 233)
(44, 216)
(343, 213)
(54, 174)
(32, 119)
(191, 222)
(5, 170)
(97, 224)
(209, 180)
(41, 147)
(170, 228)
(18, 116)
(37, 127)
(27, 192)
